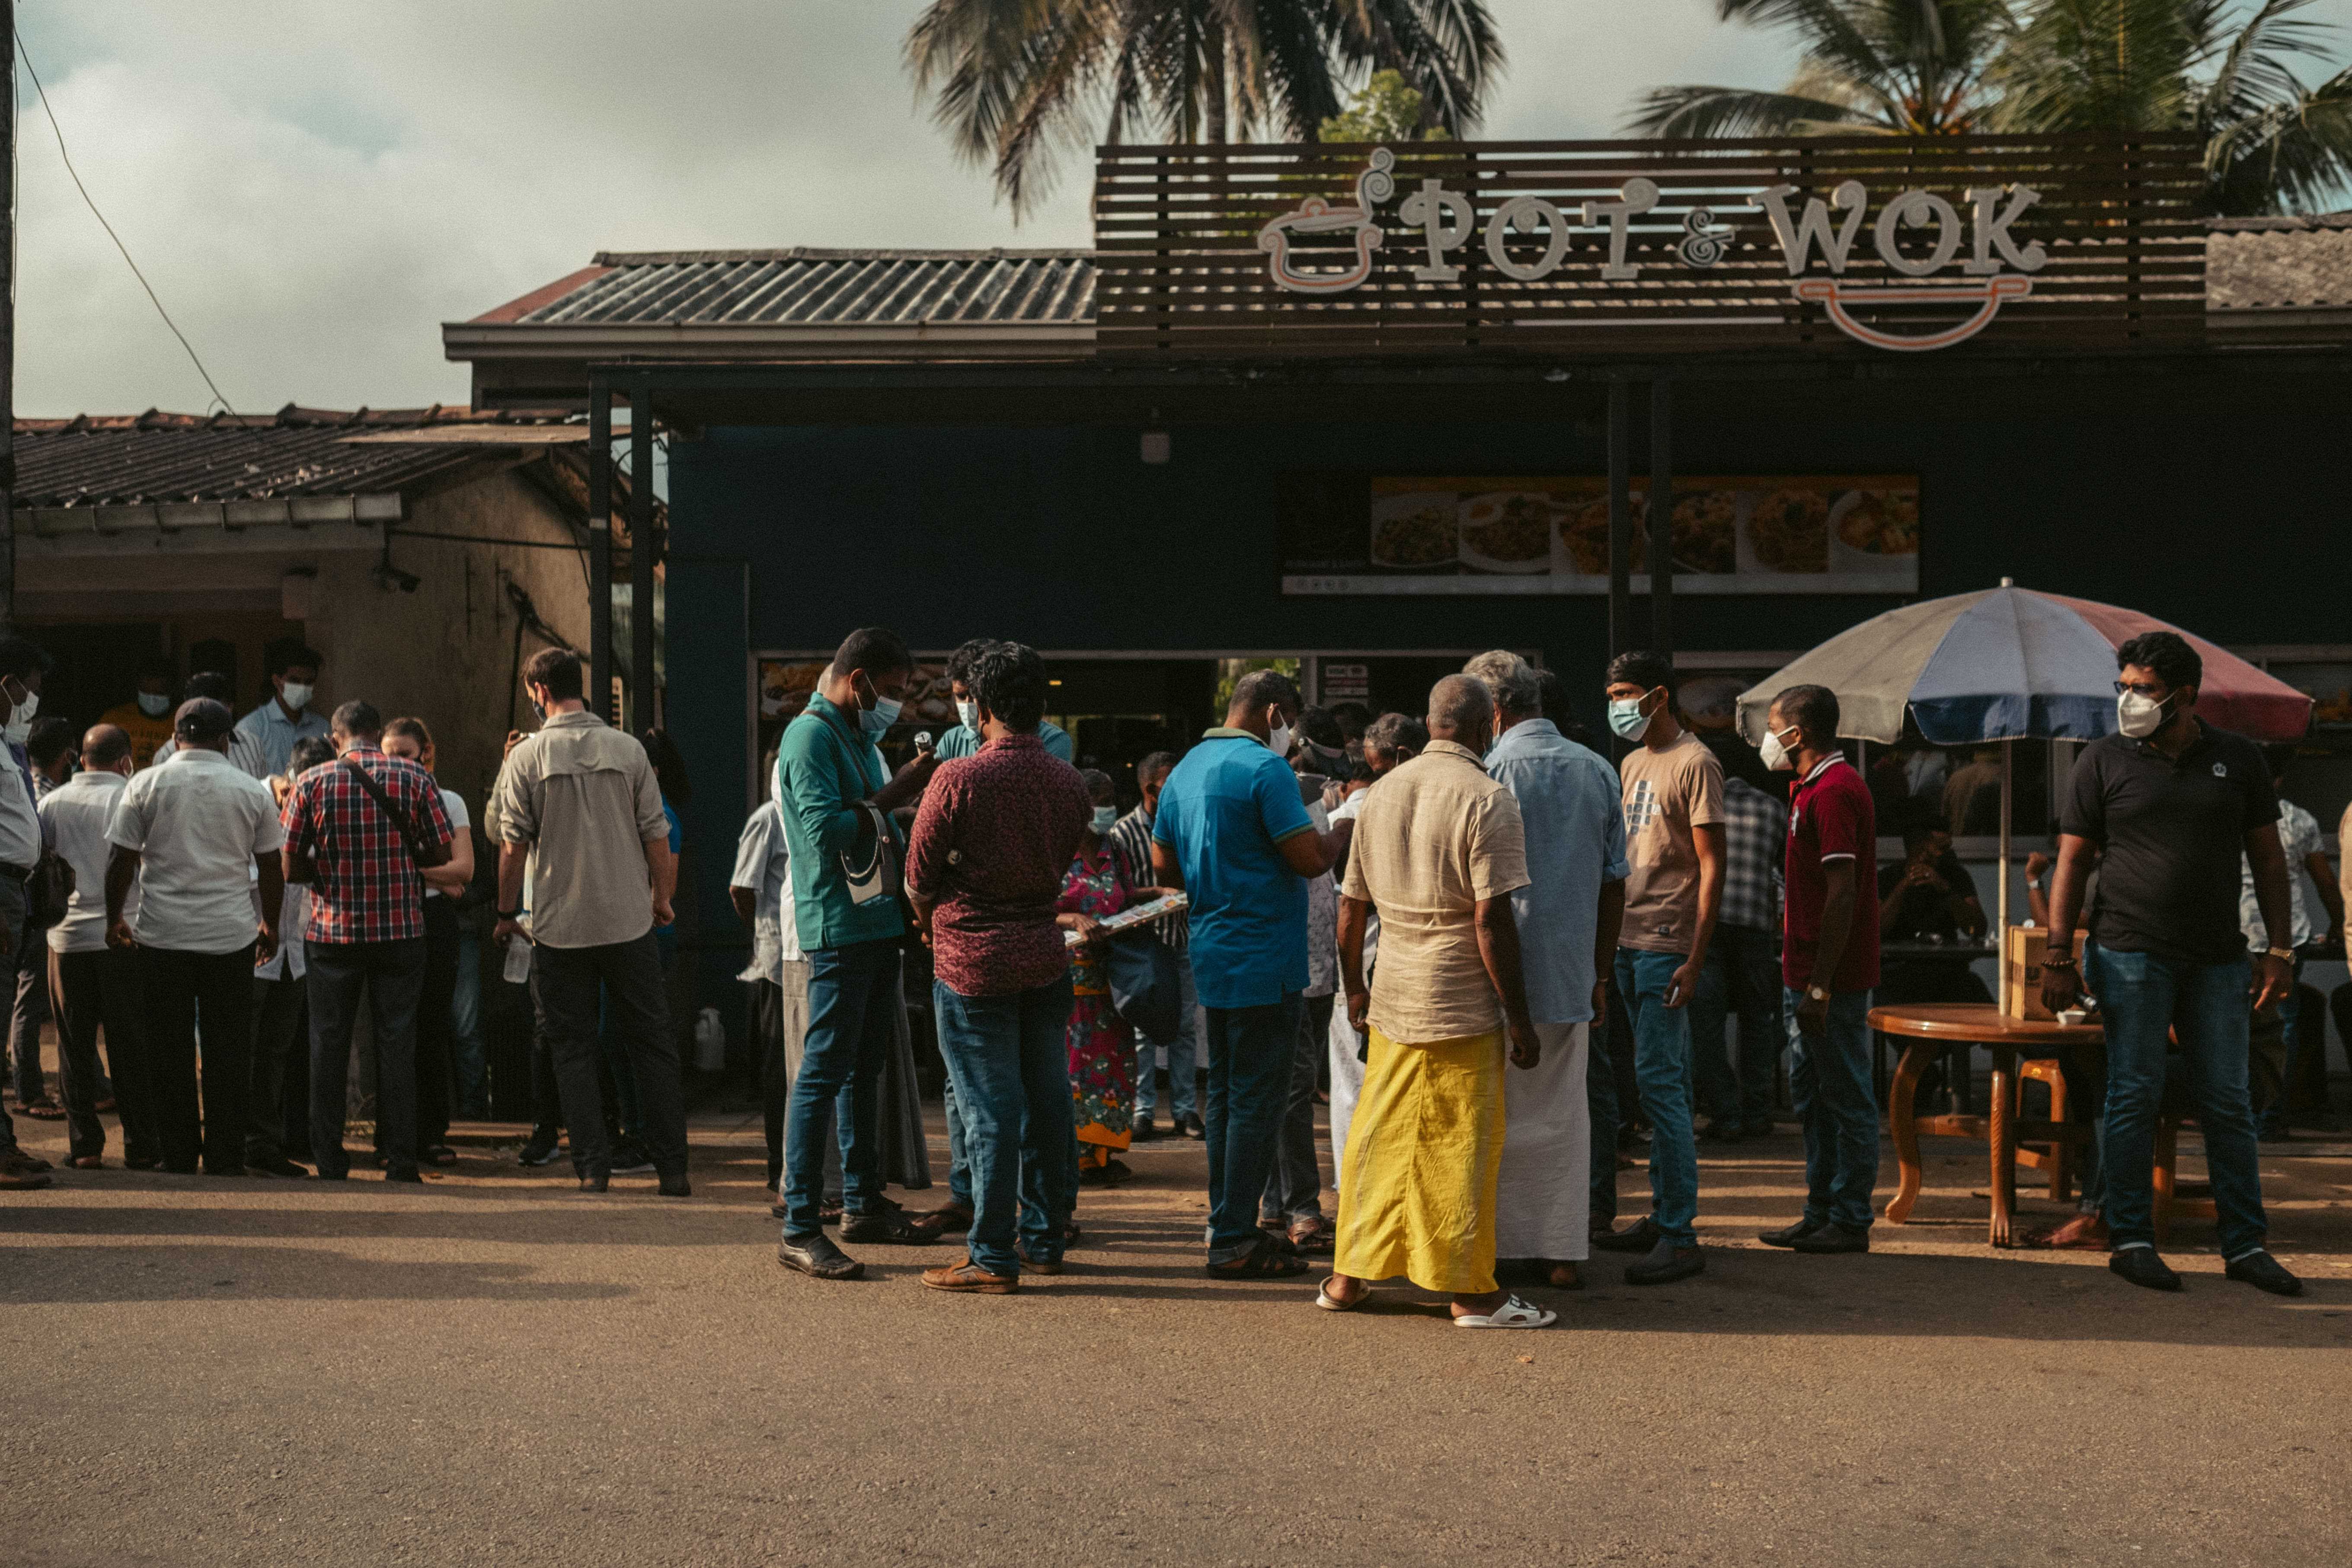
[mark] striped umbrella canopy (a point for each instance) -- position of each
(2007, 664)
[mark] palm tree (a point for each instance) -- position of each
(1912, 68)
(2206, 66)
(1015, 80)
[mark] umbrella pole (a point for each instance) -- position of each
(2008, 786)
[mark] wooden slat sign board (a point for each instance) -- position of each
(1837, 245)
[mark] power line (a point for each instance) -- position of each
(59, 131)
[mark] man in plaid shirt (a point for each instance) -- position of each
(366, 930)
(1742, 976)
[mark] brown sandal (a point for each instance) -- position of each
(1263, 1263)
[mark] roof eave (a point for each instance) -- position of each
(468, 341)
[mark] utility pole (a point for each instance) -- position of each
(8, 327)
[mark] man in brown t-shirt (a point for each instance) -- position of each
(1674, 838)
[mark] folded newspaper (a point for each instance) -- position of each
(1162, 905)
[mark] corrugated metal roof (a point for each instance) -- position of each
(161, 459)
(821, 288)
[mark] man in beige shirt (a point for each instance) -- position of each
(1439, 849)
(580, 817)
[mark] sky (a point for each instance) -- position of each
(313, 187)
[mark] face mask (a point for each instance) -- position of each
(876, 721)
(154, 704)
(1279, 741)
(1625, 717)
(20, 719)
(538, 711)
(297, 694)
(2139, 716)
(968, 715)
(1106, 816)
(1777, 756)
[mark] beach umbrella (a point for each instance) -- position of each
(2007, 664)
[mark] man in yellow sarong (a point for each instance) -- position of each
(1439, 849)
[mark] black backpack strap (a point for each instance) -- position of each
(397, 817)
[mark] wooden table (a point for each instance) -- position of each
(1927, 1030)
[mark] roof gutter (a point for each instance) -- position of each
(467, 341)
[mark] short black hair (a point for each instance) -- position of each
(310, 752)
(1921, 821)
(669, 766)
(960, 662)
(158, 663)
(877, 650)
(1008, 679)
(1813, 709)
(282, 654)
(21, 656)
(201, 720)
(51, 738)
(1552, 694)
(105, 745)
(1263, 687)
(558, 670)
(359, 720)
(216, 684)
(1353, 719)
(1647, 670)
(1154, 762)
(2168, 654)
(1318, 725)
(1393, 733)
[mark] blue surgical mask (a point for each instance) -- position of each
(1626, 718)
(879, 719)
(1105, 817)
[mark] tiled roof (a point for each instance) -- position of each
(2279, 263)
(807, 287)
(155, 458)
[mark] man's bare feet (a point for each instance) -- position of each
(2083, 1233)
(1564, 1278)
(1478, 1306)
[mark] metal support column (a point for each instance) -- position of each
(1662, 517)
(645, 710)
(8, 328)
(600, 547)
(1621, 517)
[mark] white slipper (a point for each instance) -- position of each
(1513, 1314)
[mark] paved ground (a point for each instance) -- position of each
(496, 1369)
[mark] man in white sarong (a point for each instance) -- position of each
(1391, 739)
(1567, 917)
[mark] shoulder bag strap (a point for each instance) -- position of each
(397, 817)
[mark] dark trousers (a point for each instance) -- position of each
(1611, 1037)
(175, 984)
(90, 991)
(1742, 980)
(566, 985)
(1252, 1051)
(852, 1028)
(32, 1010)
(392, 973)
(1293, 1191)
(437, 1031)
(280, 1039)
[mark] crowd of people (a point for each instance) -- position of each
(1469, 923)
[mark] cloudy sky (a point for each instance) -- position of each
(314, 186)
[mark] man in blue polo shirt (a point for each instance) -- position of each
(1233, 831)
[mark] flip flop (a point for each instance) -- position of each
(1513, 1314)
(1323, 1298)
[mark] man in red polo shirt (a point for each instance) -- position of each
(1828, 965)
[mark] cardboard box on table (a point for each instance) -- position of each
(2021, 970)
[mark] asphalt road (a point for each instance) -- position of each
(496, 1370)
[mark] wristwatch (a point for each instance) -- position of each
(509, 914)
(2284, 954)
(1818, 993)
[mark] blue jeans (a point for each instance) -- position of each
(1250, 1054)
(852, 989)
(1829, 1080)
(473, 1052)
(2142, 998)
(1008, 1060)
(1741, 979)
(1662, 1066)
(1182, 1055)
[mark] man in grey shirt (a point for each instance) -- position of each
(580, 816)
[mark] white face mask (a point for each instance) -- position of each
(297, 694)
(1279, 741)
(154, 704)
(1106, 818)
(2139, 716)
(1777, 756)
(968, 714)
(20, 721)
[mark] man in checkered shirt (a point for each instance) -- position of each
(366, 930)
(1742, 977)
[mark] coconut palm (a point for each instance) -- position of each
(2222, 69)
(1017, 80)
(1912, 67)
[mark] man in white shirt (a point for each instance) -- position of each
(22, 667)
(761, 888)
(278, 1107)
(269, 732)
(194, 833)
(91, 985)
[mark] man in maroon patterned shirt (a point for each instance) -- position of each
(991, 846)
(366, 930)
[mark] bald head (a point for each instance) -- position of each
(106, 749)
(1460, 710)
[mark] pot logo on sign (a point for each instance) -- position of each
(1997, 270)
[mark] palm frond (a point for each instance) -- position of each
(1723, 111)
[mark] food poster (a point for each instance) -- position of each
(1788, 535)
(786, 682)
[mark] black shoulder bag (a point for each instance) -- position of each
(427, 854)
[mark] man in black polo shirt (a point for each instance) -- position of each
(2171, 803)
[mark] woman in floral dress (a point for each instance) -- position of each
(1101, 1043)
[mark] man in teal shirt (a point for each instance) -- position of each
(963, 741)
(829, 773)
(1232, 833)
